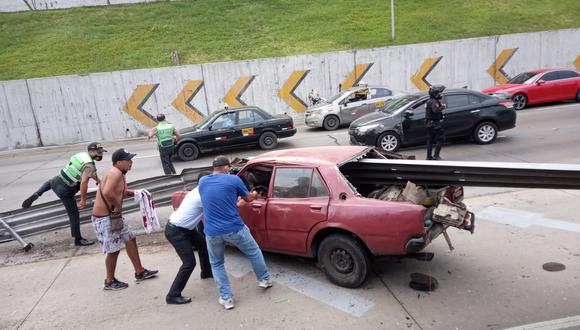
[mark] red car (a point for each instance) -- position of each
(540, 86)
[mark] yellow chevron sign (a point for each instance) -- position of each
(496, 68)
(286, 93)
(134, 105)
(418, 79)
(577, 62)
(232, 97)
(183, 99)
(355, 75)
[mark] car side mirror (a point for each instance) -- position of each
(540, 82)
(409, 114)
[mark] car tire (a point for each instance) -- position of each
(331, 123)
(344, 260)
(485, 133)
(268, 140)
(578, 95)
(520, 101)
(389, 141)
(187, 151)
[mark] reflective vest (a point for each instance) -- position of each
(72, 172)
(165, 134)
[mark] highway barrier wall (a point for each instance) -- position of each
(27, 5)
(114, 105)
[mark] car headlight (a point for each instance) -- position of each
(366, 128)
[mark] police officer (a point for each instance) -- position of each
(434, 122)
(73, 177)
(167, 136)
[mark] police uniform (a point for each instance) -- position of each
(434, 122)
(165, 132)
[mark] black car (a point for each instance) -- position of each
(233, 128)
(469, 114)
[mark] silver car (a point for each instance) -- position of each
(348, 105)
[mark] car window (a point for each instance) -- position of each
(380, 92)
(474, 99)
(318, 189)
(457, 100)
(568, 74)
(522, 78)
(225, 120)
(555, 75)
(296, 183)
(248, 117)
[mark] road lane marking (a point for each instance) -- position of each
(563, 323)
(524, 219)
(340, 298)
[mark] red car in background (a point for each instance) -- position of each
(540, 86)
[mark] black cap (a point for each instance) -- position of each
(220, 161)
(122, 154)
(96, 146)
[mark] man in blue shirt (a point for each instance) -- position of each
(181, 233)
(219, 196)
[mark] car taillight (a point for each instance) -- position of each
(507, 104)
(291, 126)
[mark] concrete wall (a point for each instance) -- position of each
(105, 106)
(25, 5)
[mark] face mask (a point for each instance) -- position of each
(98, 158)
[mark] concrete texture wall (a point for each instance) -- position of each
(25, 5)
(114, 105)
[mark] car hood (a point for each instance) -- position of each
(369, 119)
(505, 88)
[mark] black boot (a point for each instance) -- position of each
(28, 202)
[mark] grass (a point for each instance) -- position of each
(83, 40)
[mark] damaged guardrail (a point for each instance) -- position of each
(52, 215)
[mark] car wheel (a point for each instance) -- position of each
(578, 95)
(188, 151)
(389, 141)
(331, 123)
(520, 101)
(485, 133)
(268, 140)
(344, 260)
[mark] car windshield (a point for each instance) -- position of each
(522, 78)
(400, 103)
(208, 119)
(336, 97)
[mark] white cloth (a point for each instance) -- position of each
(189, 212)
(148, 210)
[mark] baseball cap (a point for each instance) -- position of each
(220, 161)
(96, 146)
(122, 154)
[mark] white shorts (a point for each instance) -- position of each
(111, 241)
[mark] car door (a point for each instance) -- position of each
(298, 201)
(568, 84)
(247, 126)
(221, 131)
(461, 113)
(546, 91)
(413, 123)
(352, 107)
(379, 98)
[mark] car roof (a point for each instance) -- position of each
(449, 90)
(329, 155)
(369, 86)
(538, 71)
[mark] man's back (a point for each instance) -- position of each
(219, 195)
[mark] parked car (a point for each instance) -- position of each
(540, 86)
(234, 128)
(469, 114)
(348, 105)
(321, 203)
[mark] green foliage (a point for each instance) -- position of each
(82, 40)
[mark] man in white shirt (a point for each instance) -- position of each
(181, 233)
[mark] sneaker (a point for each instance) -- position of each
(28, 202)
(145, 274)
(227, 303)
(265, 283)
(83, 242)
(115, 285)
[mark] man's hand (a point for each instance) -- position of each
(82, 204)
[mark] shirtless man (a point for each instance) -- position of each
(109, 201)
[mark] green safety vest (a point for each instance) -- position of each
(165, 134)
(71, 172)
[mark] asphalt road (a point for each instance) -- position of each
(493, 279)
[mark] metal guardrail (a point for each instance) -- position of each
(52, 215)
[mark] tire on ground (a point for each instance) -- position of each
(344, 260)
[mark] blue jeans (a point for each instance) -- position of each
(244, 241)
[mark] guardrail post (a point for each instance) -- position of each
(25, 246)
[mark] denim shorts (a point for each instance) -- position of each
(111, 241)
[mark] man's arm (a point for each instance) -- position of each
(152, 132)
(84, 189)
(176, 135)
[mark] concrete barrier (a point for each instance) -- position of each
(113, 105)
(7, 6)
